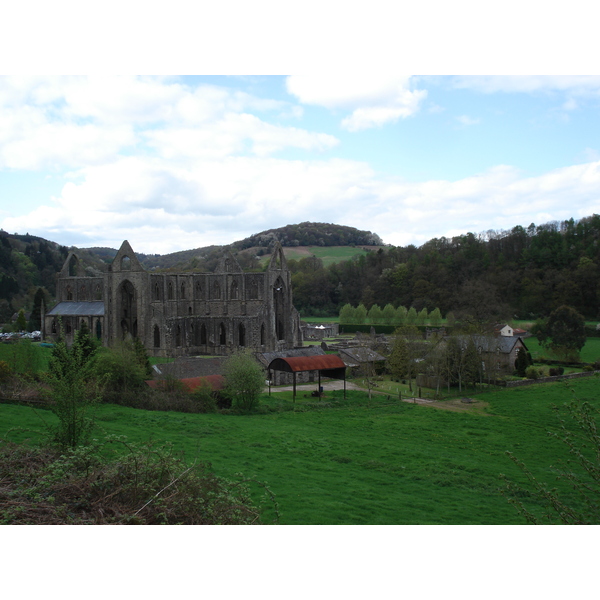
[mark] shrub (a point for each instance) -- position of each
(244, 380)
(532, 373)
(119, 370)
(73, 390)
(92, 485)
(5, 371)
(204, 398)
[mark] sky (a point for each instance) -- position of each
(173, 162)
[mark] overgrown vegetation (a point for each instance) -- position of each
(117, 482)
(244, 380)
(74, 389)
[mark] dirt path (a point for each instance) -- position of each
(458, 405)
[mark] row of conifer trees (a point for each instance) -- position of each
(388, 315)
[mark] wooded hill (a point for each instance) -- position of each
(29, 263)
(521, 273)
(311, 234)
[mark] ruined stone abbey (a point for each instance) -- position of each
(176, 314)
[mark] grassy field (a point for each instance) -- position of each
(589, 353)
(361, 462)
(16, 354)
(328, 254)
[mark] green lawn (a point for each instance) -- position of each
(26, 353)
(589, 353)
(360, 462)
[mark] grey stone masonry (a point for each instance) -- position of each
(179, 314)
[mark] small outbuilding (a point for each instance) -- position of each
(328, 365)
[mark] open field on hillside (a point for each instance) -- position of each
(328, 254)
(361, 462)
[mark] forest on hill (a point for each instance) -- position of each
(521, 273)
(311, 234)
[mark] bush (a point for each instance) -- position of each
(119, 370)
(532, 373)
(244, 380)
(74, 391)
(5, 371)
(204, 398)
(92, 485)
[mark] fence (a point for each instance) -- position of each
(545, 379)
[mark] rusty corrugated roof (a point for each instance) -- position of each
(311, 363)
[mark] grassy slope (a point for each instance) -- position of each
(328, 254)
(393, 463)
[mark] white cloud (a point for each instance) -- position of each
(71, 122)
(162, 208)
(466, 120)
(529, 83)
(233, 134)
(373, 99)
(170, 166)
(169, 206)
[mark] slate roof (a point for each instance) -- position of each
(78, 309)
(267, 357)
(189, 367)
(504, 344)
(357, 356)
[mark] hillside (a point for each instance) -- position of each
(311, 234)
(305, 238)
(520, 273)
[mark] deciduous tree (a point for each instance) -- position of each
(244, 380)
(563, 332)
